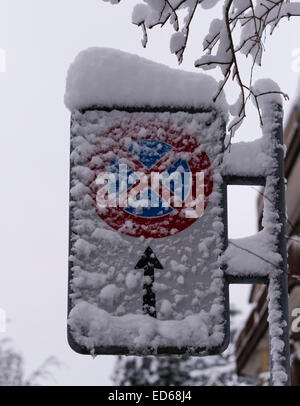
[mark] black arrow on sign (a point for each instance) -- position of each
(149, 262)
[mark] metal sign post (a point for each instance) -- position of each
(275, 274)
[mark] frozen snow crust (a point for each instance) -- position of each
(112, 78)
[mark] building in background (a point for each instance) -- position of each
(252, 345)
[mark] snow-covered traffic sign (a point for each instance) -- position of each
(147, 216)
(150, 262)
(148, 227)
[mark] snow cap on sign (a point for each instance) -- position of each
(112, 78)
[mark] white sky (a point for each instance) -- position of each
(41, 39)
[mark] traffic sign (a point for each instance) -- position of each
(147, 227)
(159, 151)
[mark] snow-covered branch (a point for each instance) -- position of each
(249, 19)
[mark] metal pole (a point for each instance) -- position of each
(280, 281)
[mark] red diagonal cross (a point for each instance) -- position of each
(164, 192)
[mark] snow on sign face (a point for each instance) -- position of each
(147, 219)
(146, 232)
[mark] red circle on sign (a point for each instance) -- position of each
(115, 146)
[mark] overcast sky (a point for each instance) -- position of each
(41, 39)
